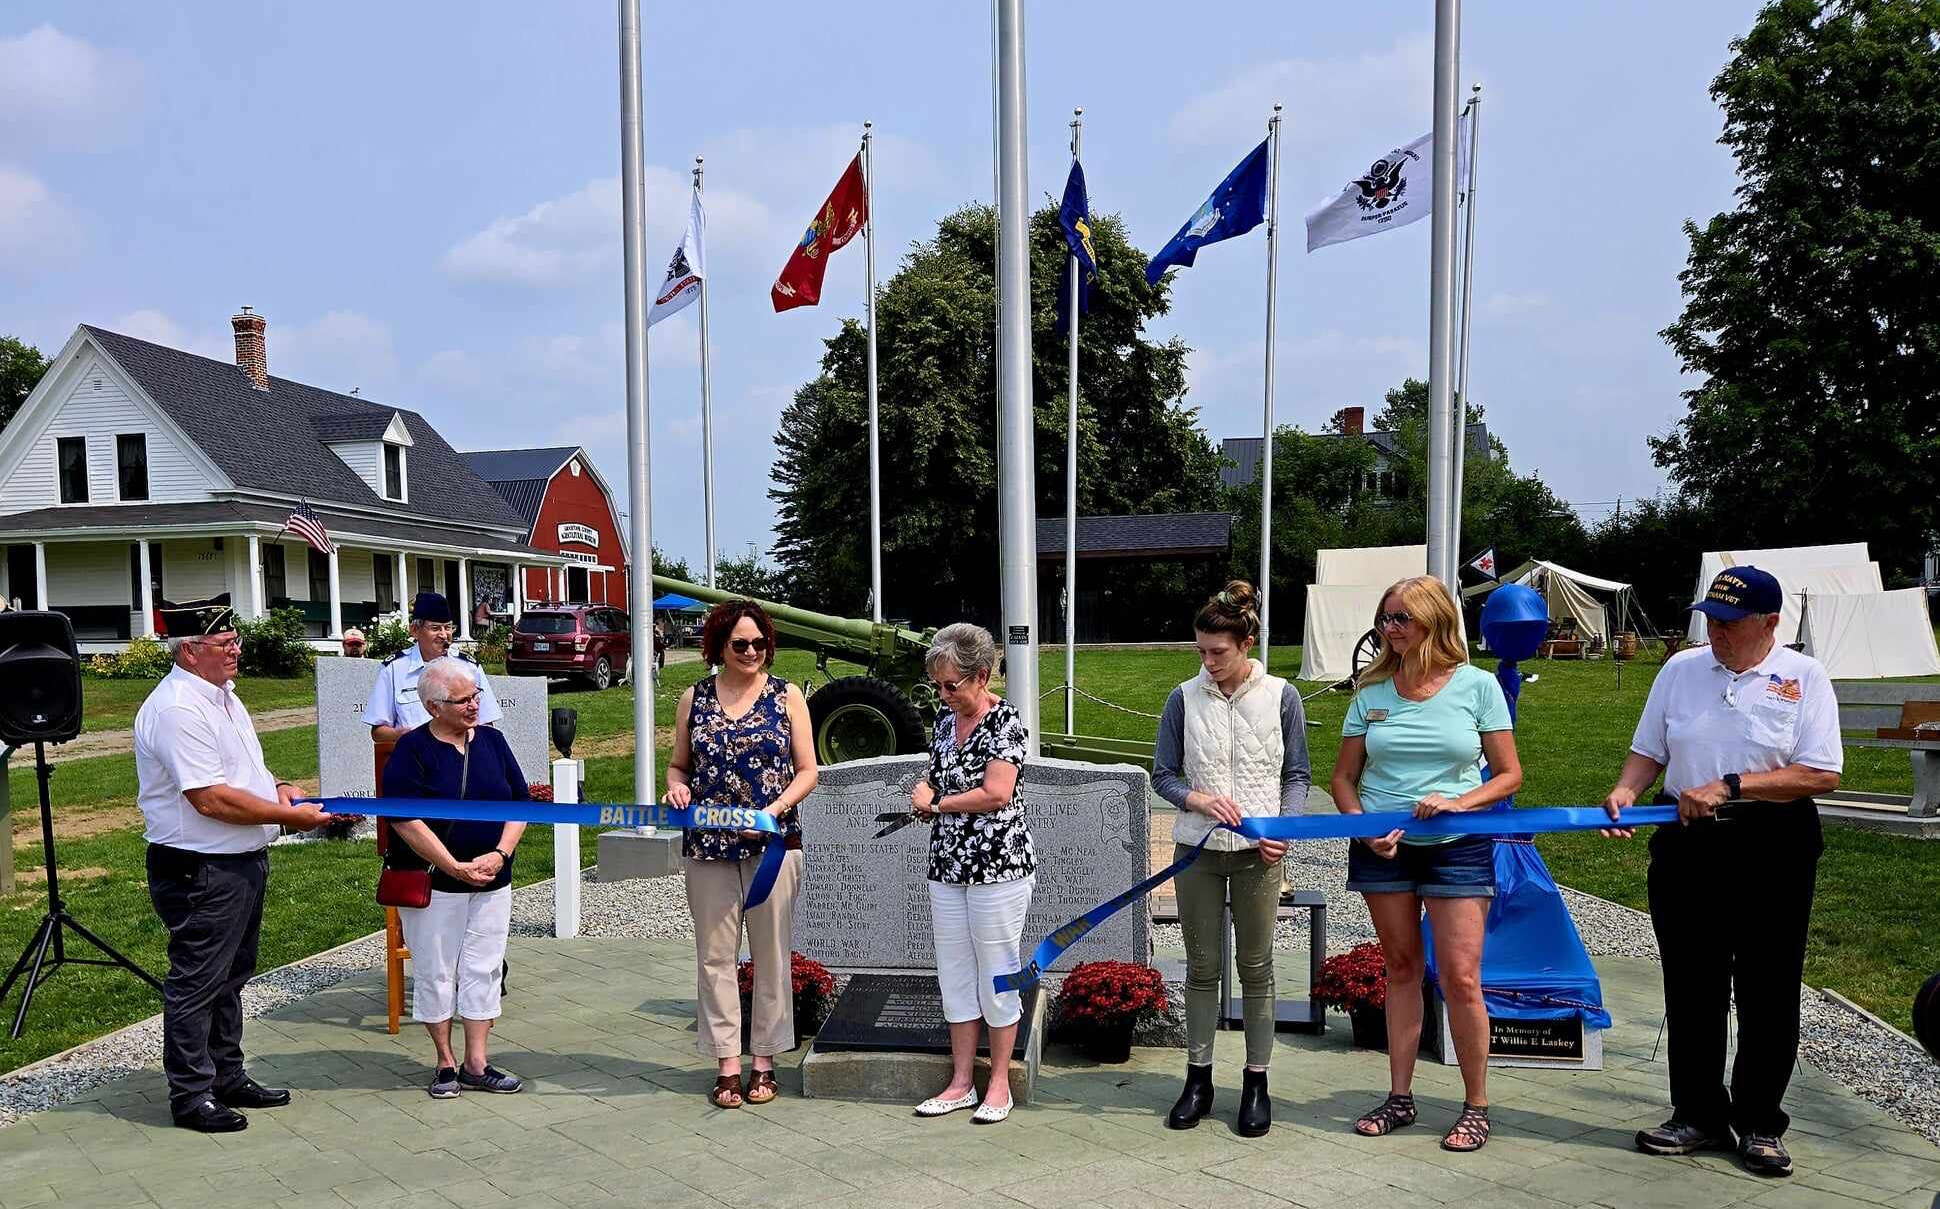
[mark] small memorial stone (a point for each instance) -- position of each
(344, 765)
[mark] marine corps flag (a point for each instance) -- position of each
(835, 224)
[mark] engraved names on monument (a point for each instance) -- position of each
(865, 905)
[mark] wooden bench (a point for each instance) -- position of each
(1874, 706)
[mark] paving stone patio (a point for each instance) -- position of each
(615, 1115)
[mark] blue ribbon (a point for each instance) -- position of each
(698, 817)
(1330, 827)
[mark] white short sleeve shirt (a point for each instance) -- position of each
(1703, 720)
(394, 698)
(191, 734)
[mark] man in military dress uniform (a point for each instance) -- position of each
(210, 808)
(394, 708)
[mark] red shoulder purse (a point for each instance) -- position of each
(410, 887)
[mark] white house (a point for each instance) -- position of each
(136, 472)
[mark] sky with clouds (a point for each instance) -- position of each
(423, 200)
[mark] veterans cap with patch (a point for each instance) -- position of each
(195, 618)
(1740, 592)
(430, 606)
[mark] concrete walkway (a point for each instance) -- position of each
(603, 1029)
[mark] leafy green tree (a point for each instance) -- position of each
(1318, 504)
(1809, 306)
(1655, 546)
(21, 368)
(1140, 448)
(749, 575)
(673, 568)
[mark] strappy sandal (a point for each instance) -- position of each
(727, 1092)
(1470, 1130)
(1395, 1113)
(761, 1088)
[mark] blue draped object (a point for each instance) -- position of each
(700, 816)
(1350, 826)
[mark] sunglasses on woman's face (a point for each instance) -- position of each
(743, 645)
(1384, 621)
(951, 686)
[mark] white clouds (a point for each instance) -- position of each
(1506, 303)
(553, 243)
(158, 327)
(54, 88)
(340, 351)
(36, 228)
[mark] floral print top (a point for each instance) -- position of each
(977, 849)
(745, 761)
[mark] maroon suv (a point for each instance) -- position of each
(592, 643)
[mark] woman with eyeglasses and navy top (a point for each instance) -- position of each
(1422, 721)
(742, 738)
(982, 866)
(1232, 744)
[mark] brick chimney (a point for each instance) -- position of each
(1352, 419)
(252, 352)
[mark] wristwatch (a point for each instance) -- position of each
(1733, 786)
(503, 855)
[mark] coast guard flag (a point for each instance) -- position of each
(684, 272)
(1074, 215)
(1397, 189)
(1235, 207)
(834, 225)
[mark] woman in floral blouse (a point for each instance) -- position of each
(742, 738)
(982, 867)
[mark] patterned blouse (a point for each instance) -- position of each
(976, 849)
(745, 761)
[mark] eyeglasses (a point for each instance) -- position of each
(1384, 621)
(441, 629)
(462, 702)
(952, 686)
(743, 645)
(221, 644)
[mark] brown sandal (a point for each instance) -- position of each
(727, 1092)
(1395, 1112)
(1470, 1131)
(762, 1087)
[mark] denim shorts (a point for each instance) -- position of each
(1463, 868)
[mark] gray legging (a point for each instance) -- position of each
(1202, 892)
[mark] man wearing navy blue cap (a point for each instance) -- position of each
(394, 708)
(1749, 721)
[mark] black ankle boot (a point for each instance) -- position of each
(1255, 1109)
(1195, 1101)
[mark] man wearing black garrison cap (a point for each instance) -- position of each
(210, 808)
(1742, 720)
(393, 708)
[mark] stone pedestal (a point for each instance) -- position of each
(886, 1040)
(628, 854)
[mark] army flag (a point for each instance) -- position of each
(1397, 189)
(684, 272)
(834, 225)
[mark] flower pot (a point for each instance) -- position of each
(1370, 1027)
(1111, 1043)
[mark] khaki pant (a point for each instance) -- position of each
(715, 892)
(1203, 890)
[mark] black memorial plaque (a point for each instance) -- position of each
(1555, 1040)
(900, 1013)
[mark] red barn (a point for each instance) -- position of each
(572, 512)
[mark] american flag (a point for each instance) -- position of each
(304, 523)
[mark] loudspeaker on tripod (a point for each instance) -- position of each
(40, 679)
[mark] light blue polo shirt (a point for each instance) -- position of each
(1415, 748)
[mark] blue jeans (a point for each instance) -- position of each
(1462, 868)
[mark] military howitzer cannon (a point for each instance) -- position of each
(883, 712)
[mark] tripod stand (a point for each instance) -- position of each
(34, 960)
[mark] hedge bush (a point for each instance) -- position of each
(145, 659)
(276, 645)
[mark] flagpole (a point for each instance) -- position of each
(633, 202)
(1459, 412)
(1016, 462)
(1266, 444)
(1071, 481)
(707, 413)
(1441, 294)
(875, 456)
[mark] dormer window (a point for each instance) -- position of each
(394, 472)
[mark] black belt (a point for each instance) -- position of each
(190, 856)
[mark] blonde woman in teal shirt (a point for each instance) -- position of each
(1422, 721)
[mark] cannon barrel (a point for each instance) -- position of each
(872, 640)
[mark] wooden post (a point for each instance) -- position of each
(395, 950)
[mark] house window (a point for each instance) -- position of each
(275, 576)
(72, 454)
(381, 582)
(131, 462)
(319, 575)
(427, 576)
(393, 472)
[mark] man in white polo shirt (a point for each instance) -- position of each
(211, 808)
(1743, 720)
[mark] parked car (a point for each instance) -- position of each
(591, 643)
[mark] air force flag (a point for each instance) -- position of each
(684, 272)
(1397, 189)
(1236, 207)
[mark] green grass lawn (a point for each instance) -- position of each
(111, 704)
(1876, 922)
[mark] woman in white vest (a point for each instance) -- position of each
(1232, 744)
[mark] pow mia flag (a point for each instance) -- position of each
(684, 272)
(1397, 189)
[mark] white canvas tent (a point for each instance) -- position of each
(1817, 570)
(1342, 601)
(1571, 594)
(1377, 565)
(1868, 635)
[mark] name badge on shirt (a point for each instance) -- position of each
(1377, 715)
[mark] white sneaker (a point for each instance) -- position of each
(937, 1106)
(991, 1114)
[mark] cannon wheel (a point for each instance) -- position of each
(1366, 651)
(854, 717)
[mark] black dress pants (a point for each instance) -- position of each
(1730, 901)
(212, 907)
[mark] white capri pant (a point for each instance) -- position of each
(977, 932)
(457, 954)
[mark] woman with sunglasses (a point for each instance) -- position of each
(1232, 744)
(982, 866)
(1422, 721)
(742, 738)
(458, 941)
